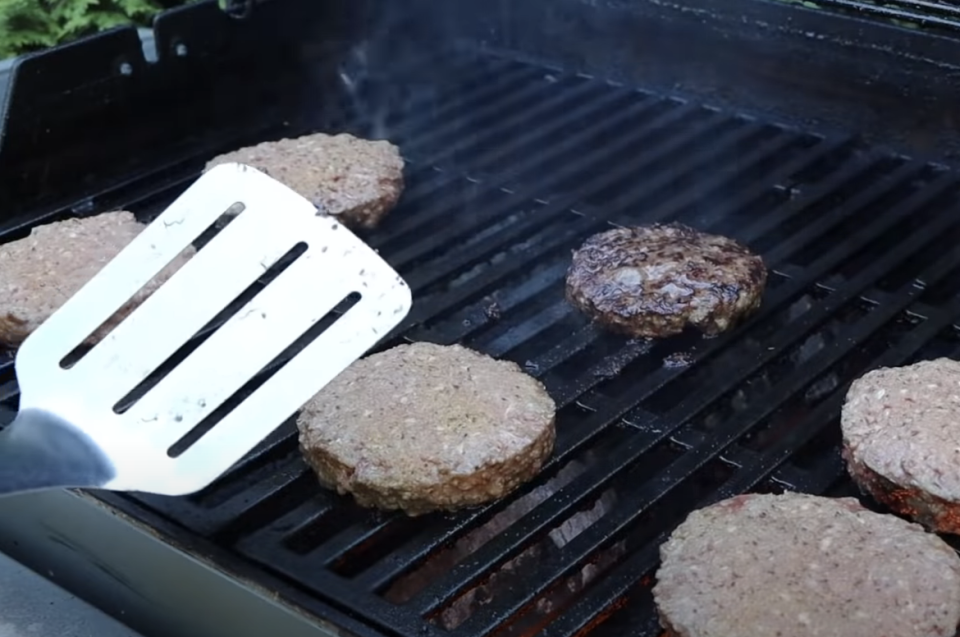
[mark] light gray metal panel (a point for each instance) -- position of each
(121, 567)
(35, 607)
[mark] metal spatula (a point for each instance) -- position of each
(79, 426)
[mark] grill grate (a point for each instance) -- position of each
(936, 15)
(508, 170)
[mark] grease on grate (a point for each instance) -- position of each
(521, 568)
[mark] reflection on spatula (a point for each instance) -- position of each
(181, 389)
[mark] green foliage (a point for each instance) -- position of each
(31, 25)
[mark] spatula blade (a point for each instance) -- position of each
(329, 264)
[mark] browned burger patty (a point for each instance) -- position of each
(901, 440)
(357, 180)
(39, 273)
(652, 281)
(799, 565)
(425, 427)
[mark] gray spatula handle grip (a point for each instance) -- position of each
(40, 451)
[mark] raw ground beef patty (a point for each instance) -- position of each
(424, 427)
(357, 180)
(802, 566)
(39, 273)
(901, 440)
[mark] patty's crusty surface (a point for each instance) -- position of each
(652, 281)
(39, 273)
(424, 427)
(901, 440)
(799, 565)
(357, 180)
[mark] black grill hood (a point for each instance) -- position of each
(74, 122)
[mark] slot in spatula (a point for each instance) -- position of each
(168, 401)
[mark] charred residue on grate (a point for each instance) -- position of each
(630, 532)
(815, 469)
(413, 583)
(794, 419)
(559, 312)
(501, 575)
(895, 336)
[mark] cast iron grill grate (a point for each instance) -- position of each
(510, 168)
(927, 15)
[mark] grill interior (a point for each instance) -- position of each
(511, 164)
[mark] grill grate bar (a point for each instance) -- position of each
(637, 502)
(400, 229)
(810, 319)
(656, 380)
(853, 336)
(476, 316)
(301, 518)
(525, 152)
(500, 343)
(531, 96)
(267, 480)
(827, 412)
(311, 568)
(874, 194)
(523, 121)
(485, 84)
(419, 547)
(452, 262)
(381, 614)
(499, 549)
(415, 551)
(595, 375)
(556, 240)
(626, 574)
(426, 244)
(508, 337)
(267, 499)
(924, 13)
(354, 536)
(818, 479)
(588, 334)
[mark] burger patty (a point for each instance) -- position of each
(41, 272)
(798, 565)
(901, 440)
(652, 281)
(357, 180)
(424, 427)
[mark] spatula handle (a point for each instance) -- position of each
(40, 451)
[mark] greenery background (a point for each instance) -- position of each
(31, 25)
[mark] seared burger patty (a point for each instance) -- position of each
(653, 281)
(901, 440)
(426, 427)
(357, 180)
(39, 273)
(798, 565)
